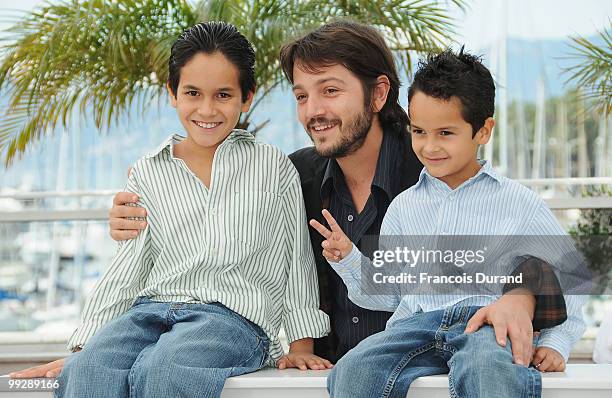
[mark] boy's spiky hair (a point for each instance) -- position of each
(462, 75)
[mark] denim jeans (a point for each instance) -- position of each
(430, 343)
(165, 350)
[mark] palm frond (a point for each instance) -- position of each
(96, 57)
(593, 72)
(102, 59)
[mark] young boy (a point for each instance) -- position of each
(451, 104)
(225, 259)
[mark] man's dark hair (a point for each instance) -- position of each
(210, 37)
(460, 75)
(360, 49)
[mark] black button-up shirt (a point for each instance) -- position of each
(350, 322)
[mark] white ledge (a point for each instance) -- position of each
(583, 380)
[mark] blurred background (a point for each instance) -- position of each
(82, 97)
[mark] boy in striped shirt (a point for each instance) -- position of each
(224, 261)
(451, 105)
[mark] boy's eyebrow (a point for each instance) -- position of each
(319, 82)
(192, 87)
(451, 127)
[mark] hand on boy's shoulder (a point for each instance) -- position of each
(546, 359)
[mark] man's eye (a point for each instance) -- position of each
(192, 93)
(224, 95)
(330, 91)
(446, 133)
(300, 97)
(417, 132)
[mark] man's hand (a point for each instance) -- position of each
(303, 361)
(51, 369)
(123, 219)
(510, 316)
(336, 245)
(548, 360)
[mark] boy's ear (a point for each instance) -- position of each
(246, 105)
(484, 134)
(380, 93)
(171, 95)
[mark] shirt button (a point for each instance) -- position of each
(350, 217)
(355, 319)
(213, 212)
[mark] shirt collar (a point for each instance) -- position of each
(385, 177)
(173, 139)
(485, 169)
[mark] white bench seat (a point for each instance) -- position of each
(579, 380)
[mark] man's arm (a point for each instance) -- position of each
(539, 280)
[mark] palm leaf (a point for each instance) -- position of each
(103, 59)
(593, 72)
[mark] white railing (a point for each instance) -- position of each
(101, 214)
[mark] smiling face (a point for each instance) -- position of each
(331, 107)
(442, 139)
(208, 100)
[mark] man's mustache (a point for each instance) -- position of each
(321, 121)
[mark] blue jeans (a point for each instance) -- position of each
(165, 350)
(430, 343)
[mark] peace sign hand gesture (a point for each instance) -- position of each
(336, 245)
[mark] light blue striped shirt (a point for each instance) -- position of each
(486, 204)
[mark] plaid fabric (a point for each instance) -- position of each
(540, 279)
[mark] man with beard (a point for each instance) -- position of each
(347, 92)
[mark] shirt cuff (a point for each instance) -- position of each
(557, 342)
(349, 265)
(82, 335)
(306, 322)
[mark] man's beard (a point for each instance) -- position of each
(352, 136)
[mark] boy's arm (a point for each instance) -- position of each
(346, 259)
(549, 242)
(115, 292)
(302, 317)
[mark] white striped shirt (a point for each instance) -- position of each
(486, 204)
(243, 242)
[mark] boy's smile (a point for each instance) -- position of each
(442, 139)
(208, 100)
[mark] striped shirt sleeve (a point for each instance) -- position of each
(349, 269)
(301, 314)
(564, 336)
(115, 292)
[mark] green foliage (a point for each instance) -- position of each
(98, 58)
(593, 233)
(593, 74)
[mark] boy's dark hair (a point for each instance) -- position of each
(460, 75)
(210, 37)
(360, 49)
